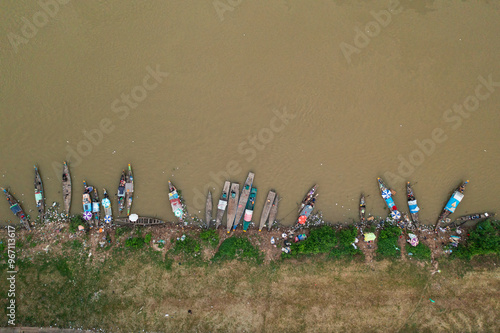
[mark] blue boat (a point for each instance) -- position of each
(452, 204)
(387, 196)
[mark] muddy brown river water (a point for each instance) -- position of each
(336, 93)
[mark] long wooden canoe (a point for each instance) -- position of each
(308, 198)
(267, 209)
(121, 192)
(87, 202)
(452, 204)
(208, 209)
(129, 189)
(16, 208)
(242, 203)
(247, 218)
(66, 188)
(412, 204)
(461, 220)
(221, 207)
(232, 205)
(96, 210)
(386, 194)
(39, 195)
(362, 208)
(175, 202)
(273, 213)
(106, 205)
(143, 221)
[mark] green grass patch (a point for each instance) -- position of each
(419, 252)
(210, 236)
(387, 243)
(345, 249)
(483, 240)
(320, 240)
(135, 242)
(238, 248)
(74, 222)
(189, 246)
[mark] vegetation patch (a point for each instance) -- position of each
(320, 240)
(210, 236)
(238, 248)
(419, 252)
(189, 246)
(135, 242)
(387, 243)
(345, 249)
(483, 240)
(74, 222)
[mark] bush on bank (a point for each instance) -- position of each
(387, 243)
(483, 240)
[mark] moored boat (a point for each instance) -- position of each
(15, 207)
(479, 216)
(308, 198)
(273, 213)
(66, 188)
(222, 205)
(129, 189)
(208, 209)
(175, 201)
(247, 218)
(96, 208)
(134, 219)
(232, 204)
(412, 204)
(267, 209)
(121, 192)
(362, 208)
(87, 203)
(242, 203)
(39, 195)
(452, 204)
(106, 205)
(387, 196)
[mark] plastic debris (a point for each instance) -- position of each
(183, 237)
(272, 240)
(432, 300)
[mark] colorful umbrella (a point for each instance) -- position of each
(386, 194)
(106, 203)
(178, 213)
(396, 214)
(302, 219)
(87, 216)
(107, 218)
(413, 240)
(133, 217)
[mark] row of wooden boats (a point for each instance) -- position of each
(241, 206)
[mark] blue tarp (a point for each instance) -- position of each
(15, 208)
(86, 207)
(413, 206)
(390, 202)
(454, 201)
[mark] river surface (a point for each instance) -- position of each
(334, 93)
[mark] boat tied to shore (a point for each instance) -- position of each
(242, 203)
(247, 218)
(121, 192)
(96, 207)
(129, 189)
(39, 197)
(134, 219)
(208, 209)
(386, 194)
(175, 201)
(66, 188)
(307, 206)
(267, 209)
(16, 208)
(362, 208)
(273, 213)
(232, 205)
(222, 205)
(106, 205)
(87, 202)
(412, 204)
(472, 217)
(452, 204)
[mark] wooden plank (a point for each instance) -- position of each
(222, 205)
(273, 213)
(66, 188)
(232, 205)
(245, 193)
(208, 209)
(267, 209)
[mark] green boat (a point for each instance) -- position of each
(247, 219)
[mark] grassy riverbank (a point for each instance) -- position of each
(131, 284)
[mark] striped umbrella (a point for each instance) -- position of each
(106, 203)
(396, 214)
(107, 218)
(87, 216)
(386, 194)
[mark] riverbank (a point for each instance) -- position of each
(130, 279)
